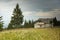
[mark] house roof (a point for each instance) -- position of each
(45, 20)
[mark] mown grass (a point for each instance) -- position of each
(31, 34)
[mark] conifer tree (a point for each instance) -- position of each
(1, 23)
(32, 24)
(17, 18)
(25, 24)
(28, 24)
(55, 21)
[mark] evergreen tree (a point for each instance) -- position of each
(1, 23)
(32, 24)
(28, 24)
(55, 21)
(25, 24)
(17, 18)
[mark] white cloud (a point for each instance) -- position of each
(55, 12)
(35, 15)
(43, 14)
(26, 13)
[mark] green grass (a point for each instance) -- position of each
(31, 34)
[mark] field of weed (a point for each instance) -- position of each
(31, 34)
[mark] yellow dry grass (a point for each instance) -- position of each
(31, 34)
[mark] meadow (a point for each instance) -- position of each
(31, 34)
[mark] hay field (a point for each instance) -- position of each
(31, 34)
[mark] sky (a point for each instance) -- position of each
(31, 9)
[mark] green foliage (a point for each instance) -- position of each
(28, 24)
(10, 26)
(55, 21)
(1, 24)
(17, 18)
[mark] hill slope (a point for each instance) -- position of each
(31, 34)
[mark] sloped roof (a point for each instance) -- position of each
(45, 20)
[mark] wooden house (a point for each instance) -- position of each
(43, 23)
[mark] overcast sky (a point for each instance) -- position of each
(32, 9)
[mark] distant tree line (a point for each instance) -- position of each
(56, 23)
(29, 24)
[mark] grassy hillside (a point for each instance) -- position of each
(31, 34)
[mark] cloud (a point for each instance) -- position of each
(27, 13)
(45, 5)
(54, 13)
(41, 14)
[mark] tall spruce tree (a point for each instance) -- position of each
(55, 21)
(17, 18)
